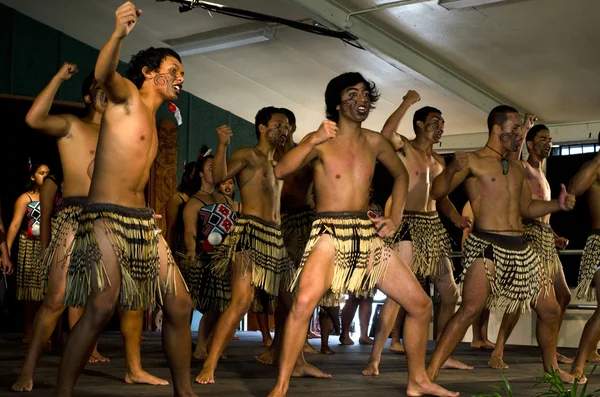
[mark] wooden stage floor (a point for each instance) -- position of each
(241, 375)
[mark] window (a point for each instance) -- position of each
(567, 150)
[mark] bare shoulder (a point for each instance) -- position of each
(439, 158)
(243, 152)
(374, 138)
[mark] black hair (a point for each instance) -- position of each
(333, 92)
(34, 167)
(290, 115)
(86, 86)
(187, 185)
(200, 163)
(421, 115)
(499, 116)
(263, 117)
(533, 132)
(150, 57)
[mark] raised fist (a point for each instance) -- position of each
(412, 97)
(328, 130)
(224, 134)
(561, 243)
(126, 16)
(529, 122)
(460, 161)
(66, 71)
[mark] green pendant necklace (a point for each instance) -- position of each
(503, 161)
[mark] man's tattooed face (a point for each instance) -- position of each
(511, 135)
(170, 77)
(278, 130)
(542, 144)
(356, 103)
(434, 127)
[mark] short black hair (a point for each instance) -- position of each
(289, 114)
(150, 57)
(333, 92)
(421, 115)
(498, 116)
(86, 86)
(531, 134)
(187, 184)
(263, 117)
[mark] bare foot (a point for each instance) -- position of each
(594, 357)
(428, 389)
(483, 345)
(235, 337)
(200, 353)
(268, 357)
(345, 340)
(23, 383)
(497, 363)
(96, 357)
(276, 393)
(144, 378)
(396, 347)
(307, 370)
(570, 379)
(371, 370)
(562, 359)
(206, 377)
(452, 363)
(267, 343)
(312, 335)
(366, 341)
(308, 349)
(326, 350)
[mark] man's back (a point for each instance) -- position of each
(77, 150)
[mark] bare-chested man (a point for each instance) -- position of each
(253, 255)
(423, 242)
(540, 235)
(587, 180)
(345, 252)
(118, 257)
(500, 269)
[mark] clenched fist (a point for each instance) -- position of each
(529, 122)
(328, 130)
(460, 161)
(412, 97)
(566, 200)
(126, 16)
(66, 71)
(224, 134)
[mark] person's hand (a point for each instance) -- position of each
(66, 71)
(561, 243)
(327, 130)
(464, 222)
(565, 199)
(224, 134)
(459, 161)
(7, 266)
(126, 18)
(385, 226)
(412, 97)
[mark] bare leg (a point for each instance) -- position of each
(365, 310)
(205, 328)
(74, 314)
(131, 330)
(242, 294)
(480, 332)
(509, 321)
(326, 325)
(446, 287)
(396, 345)
(31, 308)
(387, 321)
(348, 313)
(590, 337)
(263, 325)
(476, 290)
(563, 296)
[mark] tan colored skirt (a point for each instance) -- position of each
(29, 270)
(590, 264)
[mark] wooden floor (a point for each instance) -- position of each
(241, 375)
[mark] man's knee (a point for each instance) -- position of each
(549, 311)
(53, 302)
(468, 313)
(303, 306)
(420, 308)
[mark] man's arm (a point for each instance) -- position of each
(222, 168)
(5, 262)
(533, 209)
(391, 125)
(117, 88)
(305, 152)
(447, 208)
(47, 196)
(39, 117)
(453, 175)
(190, 224)
(388, 158)
(171, 211)
(467, 212)
(587, 175)
(18, 214)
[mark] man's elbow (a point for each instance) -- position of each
(279, 173)
(32, 120)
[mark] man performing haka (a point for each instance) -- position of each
(118, 257)
(540, 235)
(588, 180)
(345, 252)
(500, 269)
(423, 242)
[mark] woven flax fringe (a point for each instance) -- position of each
(541, 239)
(590, 260)
(64, 223)
(297, 225)
(330, 299)
(268, 258)
(132, 235)
(431, 242)
(517, 282)
(361, 257)
(29, 270)
(209, 291)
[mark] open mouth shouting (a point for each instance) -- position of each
(177, 88)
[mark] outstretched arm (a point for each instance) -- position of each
(533, 209)
(586, 176)
(39, 117)
(453, 175)
(305, 151)
(391, 125)
(117, 88)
